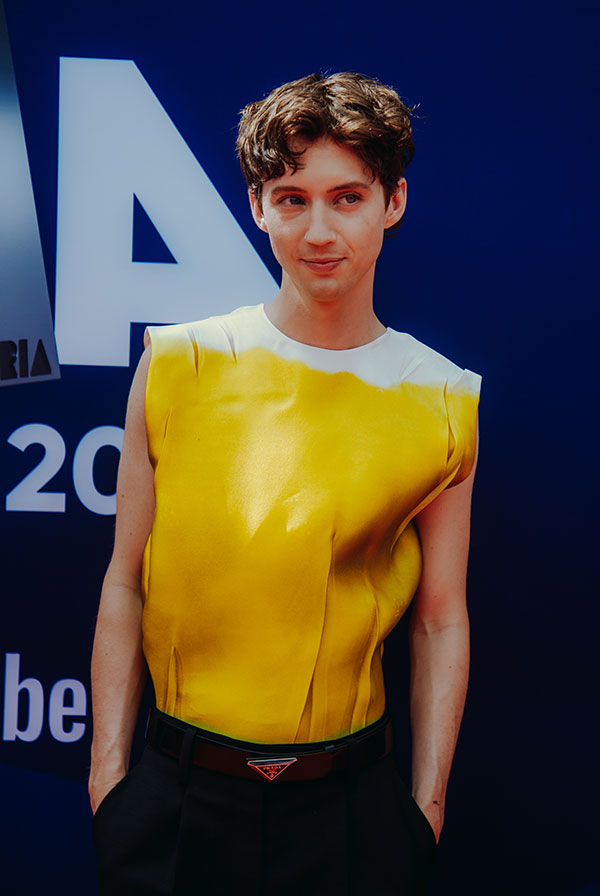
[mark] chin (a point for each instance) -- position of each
(324, 292)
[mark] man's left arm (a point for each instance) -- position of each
(439, 646)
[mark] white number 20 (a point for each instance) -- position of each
(26, 495)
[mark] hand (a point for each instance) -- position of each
(100, 785)
(434, 813)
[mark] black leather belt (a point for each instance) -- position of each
(290, 762)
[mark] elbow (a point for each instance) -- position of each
(439, 616)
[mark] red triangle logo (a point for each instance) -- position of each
(270, 768)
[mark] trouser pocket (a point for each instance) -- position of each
(415, 816)
(135, 831)
(106, 803)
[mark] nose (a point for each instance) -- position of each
(319, 231)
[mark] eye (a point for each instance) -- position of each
(291, 201)
(350, 198)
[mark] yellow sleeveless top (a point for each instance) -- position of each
(283, 550)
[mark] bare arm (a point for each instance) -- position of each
(439, 646)
(118, 665)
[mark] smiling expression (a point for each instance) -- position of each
(326, 223)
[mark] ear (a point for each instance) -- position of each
(396, 205)
(257, 212)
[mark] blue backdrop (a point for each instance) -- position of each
(492, 267)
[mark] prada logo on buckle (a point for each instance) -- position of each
(270, 768)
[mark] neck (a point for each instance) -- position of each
(334, 324)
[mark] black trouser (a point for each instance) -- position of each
(216, 834)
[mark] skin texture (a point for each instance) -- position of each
(326, 224)
(118, 665)
(439, 646)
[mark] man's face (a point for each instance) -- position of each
(326, 222)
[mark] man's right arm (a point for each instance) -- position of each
(118, 665)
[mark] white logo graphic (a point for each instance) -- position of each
(116, 140)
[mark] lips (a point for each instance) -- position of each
(322, 265)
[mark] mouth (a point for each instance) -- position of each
(322, 265)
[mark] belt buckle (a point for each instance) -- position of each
(271, 768)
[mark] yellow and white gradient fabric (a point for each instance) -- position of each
(283, 550)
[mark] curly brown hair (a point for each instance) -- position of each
(354, 110)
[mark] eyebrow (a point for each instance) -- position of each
(352, 185)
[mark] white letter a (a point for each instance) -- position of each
(116, 140)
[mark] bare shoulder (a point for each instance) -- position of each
(135, 404)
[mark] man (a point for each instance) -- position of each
(292, 474)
